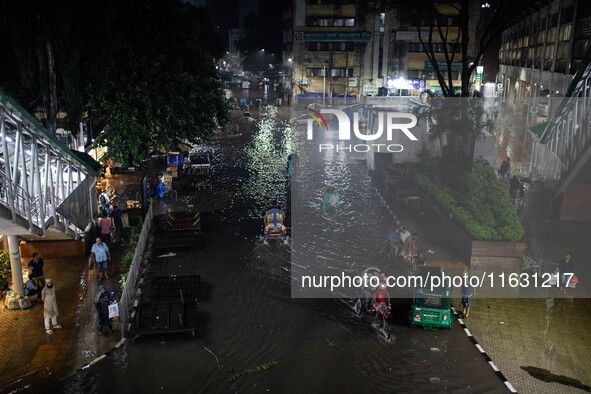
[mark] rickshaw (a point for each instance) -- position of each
(274, 227)
(431, 308)
(199, 162)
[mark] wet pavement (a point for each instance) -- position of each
(248, 318)
(31, 356)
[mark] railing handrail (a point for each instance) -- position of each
(126, 300)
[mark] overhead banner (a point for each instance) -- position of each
(333, 36)
(455, 66)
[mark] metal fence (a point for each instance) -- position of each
(127, 296)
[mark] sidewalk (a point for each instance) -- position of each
(541, 345)
(32, 358)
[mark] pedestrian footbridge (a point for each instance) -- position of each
(563, 159)
(46, 190)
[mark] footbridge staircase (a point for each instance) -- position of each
(563, 157)
(46, 190)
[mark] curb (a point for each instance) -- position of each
(122, 340)
(483, 352)
(96, 360)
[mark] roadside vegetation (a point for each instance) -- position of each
(474, 198)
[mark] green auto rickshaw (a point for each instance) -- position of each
(431, 308)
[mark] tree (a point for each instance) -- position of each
(432, 17)
(55, 50)
(167, 85)
(456, 123)
(147, 65)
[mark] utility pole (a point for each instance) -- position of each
(324, 85)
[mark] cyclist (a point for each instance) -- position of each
(380, 296)
(368, 290)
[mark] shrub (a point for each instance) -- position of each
(476, 200)
(5, 272)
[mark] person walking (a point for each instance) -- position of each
(49, 306)
(467, 293)
(101, 302)
(116, 215)
(102, 256)
(566, 268)
(161, 189)
(104, 200)
(505, 168)
(37, 274)
(106, 226)
(111, 165)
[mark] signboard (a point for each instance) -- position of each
(455, 66)
(479, 71)
(408, 84)
(414, 35)
(333, 36)
(352, 82)
(370, 89)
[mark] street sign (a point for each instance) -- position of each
(534, 109)
(334, 36)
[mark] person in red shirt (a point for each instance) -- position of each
(380, 296)
(105, 226)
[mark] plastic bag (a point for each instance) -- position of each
(113, 311)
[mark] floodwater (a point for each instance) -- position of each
(253, 337)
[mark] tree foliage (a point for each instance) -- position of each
(456, 122)
(146, 67)
(465, 42)
(476, 199)
(167, 86)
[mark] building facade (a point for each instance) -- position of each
(542, 51)
(348, 47)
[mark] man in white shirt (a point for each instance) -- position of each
(102, 255)
(404, 234)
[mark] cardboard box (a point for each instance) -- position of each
(174, 170)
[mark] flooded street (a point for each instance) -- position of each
(247, 315)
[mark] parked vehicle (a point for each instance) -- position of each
(431, 307)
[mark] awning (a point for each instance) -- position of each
(87, 159)
(539, 129)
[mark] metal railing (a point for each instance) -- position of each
(31, 208)
(569, 134)
(128, 293)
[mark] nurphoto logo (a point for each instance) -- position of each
(389, 122)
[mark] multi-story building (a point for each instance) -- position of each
(543, 50)
(326, 35)
(356, 48)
